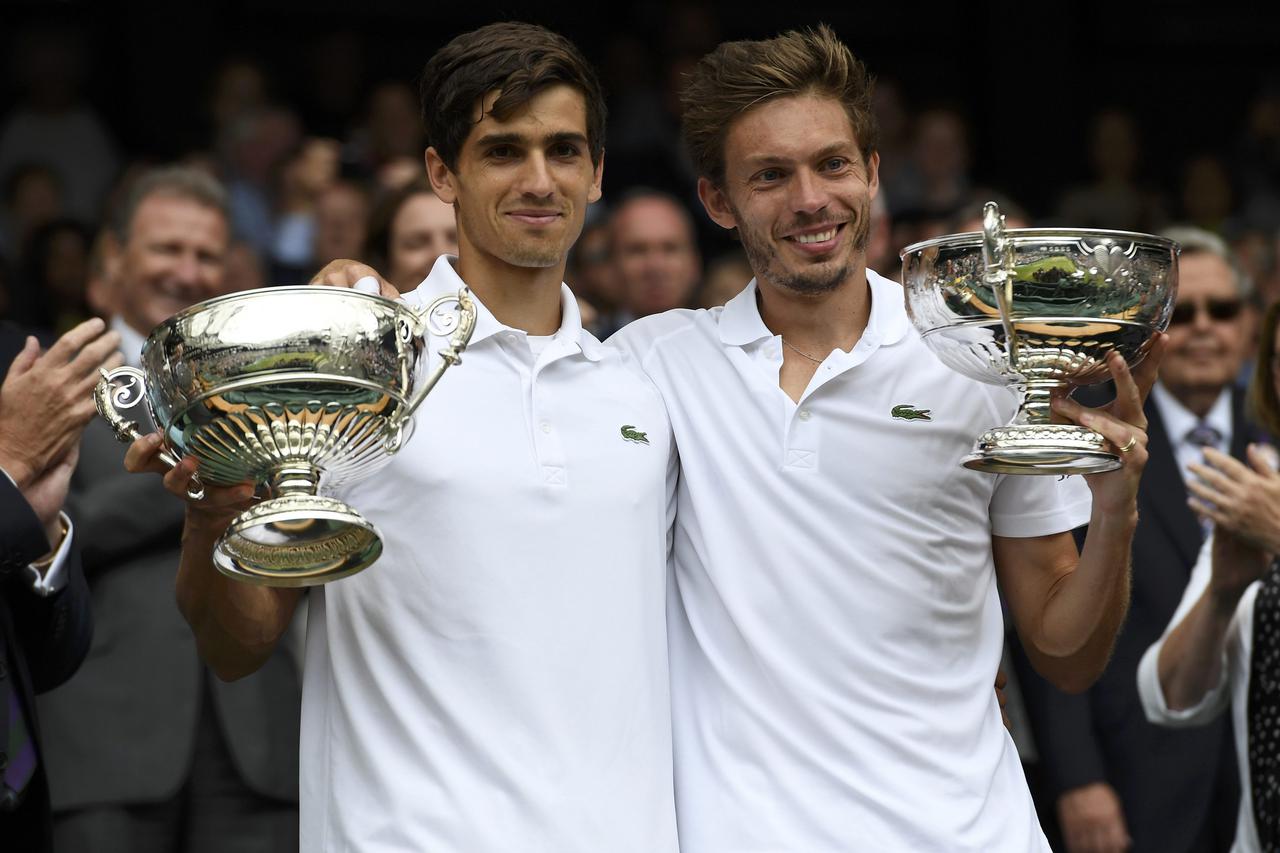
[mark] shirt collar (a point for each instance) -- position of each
(1179, 420)
(741, 324)
(131, 341)
(444, 279)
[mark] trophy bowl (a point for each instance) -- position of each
(1039, 309)
(298, 390)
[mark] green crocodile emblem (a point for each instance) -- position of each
(630, 433)
(908, 412)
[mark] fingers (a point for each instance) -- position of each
(94, 355)
(143, 456)
(177, 481)
(1146, 373)
(1120, 433)
(67, 346)
(1264, 459)
(1218, 467)
(355, 275)
(1130, 395)
(23, 360)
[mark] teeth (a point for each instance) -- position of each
(816, 238)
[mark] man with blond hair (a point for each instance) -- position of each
(836, 626)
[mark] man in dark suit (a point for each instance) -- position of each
(45, 402)
(1115, 778)
(168, 757)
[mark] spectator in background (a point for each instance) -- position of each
(243, 269)
(342, 212)
(655, 253)
(1113, 198)
(305, 178)
(50, 291)
(146, 751)
(1206, 194)
(391, 133)
(408, 230)
(253, 149)
(32, 197)
(936, 180)
(592, 276)
(52, 125)
(726, 276)
(1118, 779)
(45, 402)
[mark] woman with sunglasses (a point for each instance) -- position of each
(1222, 648)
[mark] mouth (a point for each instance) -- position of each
(535, 217)
(816, 240)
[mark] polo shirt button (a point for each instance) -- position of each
(546, 427)
(805, 414)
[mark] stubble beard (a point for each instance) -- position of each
(763, 257)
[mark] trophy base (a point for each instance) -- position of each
(297, 540)
(1041, 449)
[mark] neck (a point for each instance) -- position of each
(520, 297)
(818, 323)
(1197, 400)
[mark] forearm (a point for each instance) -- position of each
(1190, 662)
(236, 625)
(1086, 606)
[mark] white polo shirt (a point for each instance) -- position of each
(497, 681)
(836, 632)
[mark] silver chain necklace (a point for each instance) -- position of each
(800, 352)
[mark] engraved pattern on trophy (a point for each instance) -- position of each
(1038, 310)
(298, 389)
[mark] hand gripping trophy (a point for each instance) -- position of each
(300, 390)
(1038, 309)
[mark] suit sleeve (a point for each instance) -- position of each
(53, 631)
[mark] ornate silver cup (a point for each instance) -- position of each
(1039, 309)
(298, 389)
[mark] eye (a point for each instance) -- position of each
(501, 152)
(768, 176)
(835, 164)
(565, 150)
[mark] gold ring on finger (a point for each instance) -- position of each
(1129, 445)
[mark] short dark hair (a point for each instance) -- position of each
(174, 181)
(518, 60)
(740, 75)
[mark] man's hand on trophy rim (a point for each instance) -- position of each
(345, 272)
(143, 456)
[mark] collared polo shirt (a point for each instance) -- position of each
(497, 681)
(837, 629)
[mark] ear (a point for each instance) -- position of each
(717, 204)
(596, 192)
(442, 180)
(873, 174)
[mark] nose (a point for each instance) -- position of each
(1201, 321)
(535, 177)
(807, 193)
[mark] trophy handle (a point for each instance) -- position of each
(454, 316)
(997, 257)
(124, 387)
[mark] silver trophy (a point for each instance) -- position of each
(299, 390)
(1039, 309)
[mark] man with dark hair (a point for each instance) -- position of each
(146, 751)
(837, 627)
(498, 680)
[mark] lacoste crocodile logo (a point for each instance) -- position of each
(630, 433)
(908, 412)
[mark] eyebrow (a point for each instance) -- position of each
(519, 139)
(822, 153)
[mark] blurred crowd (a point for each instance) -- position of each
(80, 237)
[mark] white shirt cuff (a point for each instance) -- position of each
(53, 579)
(1157, 709)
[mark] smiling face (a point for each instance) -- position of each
(798, 191)
(172, 259)
(522, 185)
(423, 229)
(1211, 332)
